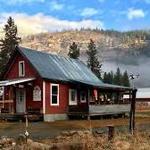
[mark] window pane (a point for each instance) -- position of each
(83, 96)
(22, 68)
(54, 90)
(73, 95)
(54, 99)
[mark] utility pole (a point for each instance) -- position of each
(133, 102)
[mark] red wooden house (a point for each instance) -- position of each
(55, 87)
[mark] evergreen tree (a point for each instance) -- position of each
(74, 51)
(93, 62)
(118, 77)
(125, 79)
(108, 77)
(105, 79)
(8, 44)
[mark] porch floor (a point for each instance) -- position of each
(20, 117)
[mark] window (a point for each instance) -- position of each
(21, 69)
(72, 97)
(54, 94)
(37, 93)
(83, 96)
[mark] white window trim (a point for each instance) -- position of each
(51, 95)
(21, 75)
(83, 101)
(70, 101)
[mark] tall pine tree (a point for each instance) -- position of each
(125, 79)
(8, 43)
(105, 77)
(74, 51)
(108, 77)
(118, 77)
(93, 62)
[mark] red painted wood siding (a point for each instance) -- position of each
(63, 99)
(13, 70)
(29, 95)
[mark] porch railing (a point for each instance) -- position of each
(9, 108)
(109, 109)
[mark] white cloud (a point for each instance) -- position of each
(39, 23)
(88, 12)
(135, 13)
(14, 2)
(54, 5)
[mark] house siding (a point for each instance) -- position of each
(13, 70)
(63, 99)
(30, 104)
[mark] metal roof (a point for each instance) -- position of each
(59, 68)
(15, 81)
(143, 93)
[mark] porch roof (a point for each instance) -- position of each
(107, 86)
(15, 81)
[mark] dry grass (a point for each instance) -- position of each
(85, 140)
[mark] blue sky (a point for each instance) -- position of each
(35, 16)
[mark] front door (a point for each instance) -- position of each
(20, 101)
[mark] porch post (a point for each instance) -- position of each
(44, 97)
(132, 112)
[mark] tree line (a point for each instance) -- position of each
(117, 78)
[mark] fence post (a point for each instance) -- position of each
(111, 132)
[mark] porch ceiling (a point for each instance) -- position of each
(15, 81)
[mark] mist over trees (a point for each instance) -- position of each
(117, 78)
(8, 43)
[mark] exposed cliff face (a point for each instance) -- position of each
(129, 50)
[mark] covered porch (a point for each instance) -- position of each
(102, 101)
(16, 99)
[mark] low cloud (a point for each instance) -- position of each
(88, 12)
(38, 23)
(135, 13)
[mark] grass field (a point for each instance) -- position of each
(81, 134)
